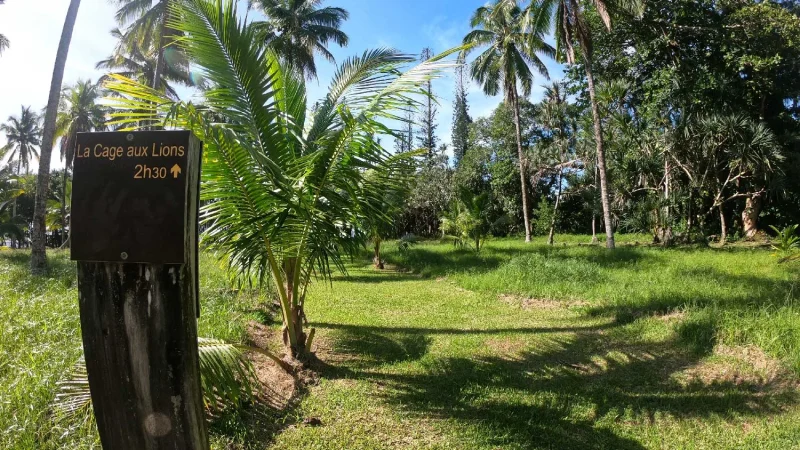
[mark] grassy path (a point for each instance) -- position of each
(424, 363)
(520, 347)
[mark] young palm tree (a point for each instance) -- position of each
(78, 112)
(299, 29)
(285, 184)
(571, 28)
(130, 61)
(513, 46)
(147, 28)
(23, 136)
(38, 256)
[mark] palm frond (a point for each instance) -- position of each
(227, 378)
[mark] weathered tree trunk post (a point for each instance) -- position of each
(135, 239)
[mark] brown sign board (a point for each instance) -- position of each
(129, 195)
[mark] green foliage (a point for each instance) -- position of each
(227, 379)
(286, 187)
(786, 241)
(461, 119)
(466, 222)
(543, 215)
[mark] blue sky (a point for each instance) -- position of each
(34, 28)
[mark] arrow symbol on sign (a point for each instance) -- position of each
(176, 170)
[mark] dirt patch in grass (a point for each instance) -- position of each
(508, 346)
(530, 303)
(741, 366)
(277, 387)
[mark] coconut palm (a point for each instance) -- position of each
(299, 29)
(23, 136)
(147, 28)
(285, 185)
(571, 29)
(131, 61)
(38, 256)
(513, 48)
(78, 112)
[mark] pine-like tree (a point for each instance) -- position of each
(404, 140)
(461, 118)
(427, 133)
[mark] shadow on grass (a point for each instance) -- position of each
(436, 262)
(256, 425)
(753, 292)
(555, 396)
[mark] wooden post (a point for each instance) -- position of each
(137, 282)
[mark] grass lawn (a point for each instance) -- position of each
(520, 346)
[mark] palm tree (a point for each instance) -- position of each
(23, 136)
(513, 45)
(298, 29)
(286, 185)
(130, 61)
(571, 28)
(4, 42)
(38, 255)
(78, 112)
(147, 28)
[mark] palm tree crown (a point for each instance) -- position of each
(299, 29)
(78, 112)
(513, 46)
(24, 136)
(286, 185)
(131, 60)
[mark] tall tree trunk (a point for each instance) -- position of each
(376, 259)
(752, 208)
(515, 106)
(160, 49)
(63, 205)
(689, 218)
(594, 229)
(601, 157)
(551, 236)
(38, 255)
(723, 237)
(665, 234)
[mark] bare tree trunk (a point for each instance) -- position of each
(376, 259)
(601, 157)
(38, 255)
(723, 237)
(526, 219)
(594, 229)
(551, 236)
(752, 208)
(63, 205)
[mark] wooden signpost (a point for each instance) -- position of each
(134, 235)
